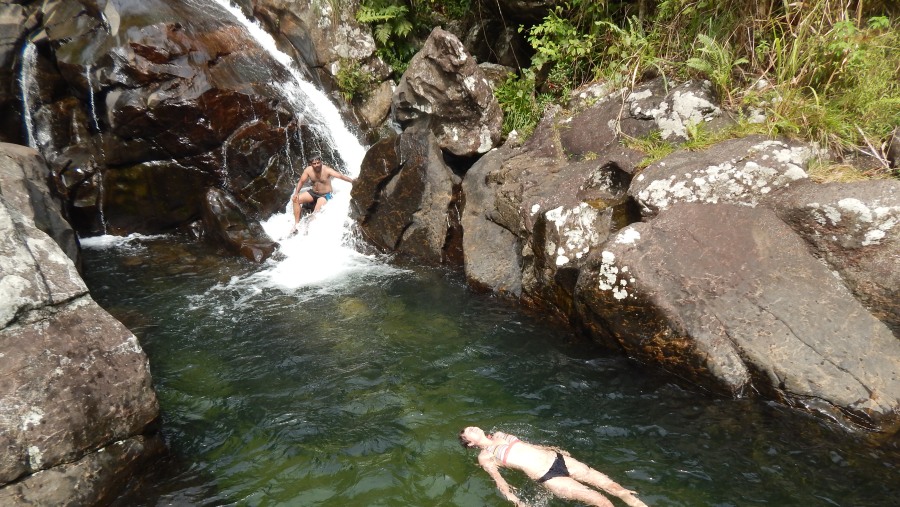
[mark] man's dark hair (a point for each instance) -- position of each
(315, 156)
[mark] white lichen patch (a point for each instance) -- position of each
(485, 142)
(32, 418)
(858, 222)
(469, 83)
(737, 181)
(575, 230)
(35, 457)
(628, 236)
(535, 208)
(609, 279)
(129, 346)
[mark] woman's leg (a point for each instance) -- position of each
(583, 473)
(570, 489)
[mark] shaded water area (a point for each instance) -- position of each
(351, 393)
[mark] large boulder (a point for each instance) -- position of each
(731, 297)
(444, 88)
(741, 171)
(492, 253)
(855, 228)
(139, 109)
(406, 198)
(75, 381)
(672, 112)
(226, 221)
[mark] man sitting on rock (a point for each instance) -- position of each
(319, 193)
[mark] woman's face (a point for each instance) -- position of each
(473, 434)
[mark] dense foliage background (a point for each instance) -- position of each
(821, 70)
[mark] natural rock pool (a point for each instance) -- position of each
(351, 391)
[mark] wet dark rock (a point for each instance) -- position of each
(893, 149)
(225, 221)
(528, 11)
(135, 93)
(14, 25)
(445, 89)
(410, 207)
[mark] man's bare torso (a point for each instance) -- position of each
(321, 180)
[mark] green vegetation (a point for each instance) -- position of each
(824, 71)
(353, 81)
(399, 26)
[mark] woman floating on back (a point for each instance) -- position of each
(560, 473)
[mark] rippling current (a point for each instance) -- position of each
(351, 392)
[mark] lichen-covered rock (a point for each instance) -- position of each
(855, 227)
(74, 380)
(730, 297)
(671, 112)
(444, 87)
(739, 171)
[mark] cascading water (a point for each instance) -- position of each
(91, 104)
(323, 250)
(306, 100)
(28, 86)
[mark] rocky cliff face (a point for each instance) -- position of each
(76, 397)
(724, 266)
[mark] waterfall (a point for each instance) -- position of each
(306, 100)
(321, 255)
(92, 105)
(28, 85)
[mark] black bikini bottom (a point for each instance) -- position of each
(557, 469)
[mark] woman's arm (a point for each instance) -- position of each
(486, 460)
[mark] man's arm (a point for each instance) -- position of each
(341, 176)
(303, 177)
(489, 466)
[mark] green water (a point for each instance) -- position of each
(352, 394)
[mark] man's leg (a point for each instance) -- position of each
(298, 202)
(320, 202)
